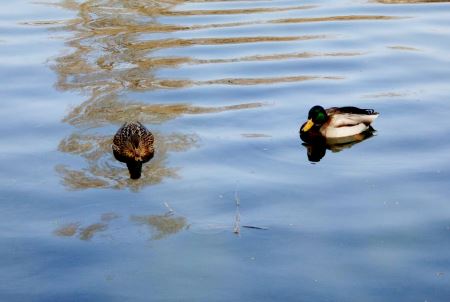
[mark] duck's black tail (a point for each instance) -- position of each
(135, 169)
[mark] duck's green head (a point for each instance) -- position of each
(316, 117)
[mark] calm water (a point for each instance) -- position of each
(224, 86)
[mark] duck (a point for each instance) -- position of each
(133, 145)
(336, 123)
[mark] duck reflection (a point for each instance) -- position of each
(317, 146)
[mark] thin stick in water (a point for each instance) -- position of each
(237, 220)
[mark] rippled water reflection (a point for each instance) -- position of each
(224, 86)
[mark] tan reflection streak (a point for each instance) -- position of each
(115, 20)
(225, 25)
(385, 95)
(410, 1)
(109, 26)
(88, 232)
(171, 84)
(83, 76)
(163, 62)
(404, 48)
(116, 28)
(256, 81)
(163, 225)
(235, 11)
(45, 22)
(255, 135)
(108, 217)
(176, 61)
(170, 43)
(293, 20)
(91, 147)
(163, 8)
(335, 18)
(110, 110)
(275, 57)
(77, 180)
(67, 4)
(145, 84)
(67, 230)
(206, 1)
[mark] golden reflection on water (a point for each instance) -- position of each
(232, 11)
(176, 61)
(255, 135)
(110, 110)
(161, 226)
(171, 43)
(336, 18)
(400, 47)
(86, 233)
(67, 230)
(409, 1)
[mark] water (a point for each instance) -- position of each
(224, 86)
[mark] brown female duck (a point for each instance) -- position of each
(133, 145)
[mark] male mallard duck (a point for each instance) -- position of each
(336, 122)
(133, 145)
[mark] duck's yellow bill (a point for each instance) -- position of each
(308, 125)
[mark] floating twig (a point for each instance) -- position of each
(170, 210)
(255, 227)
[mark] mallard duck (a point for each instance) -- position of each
(133, 145)
(336, 122)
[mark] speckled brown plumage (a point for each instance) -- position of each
(133, 145)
